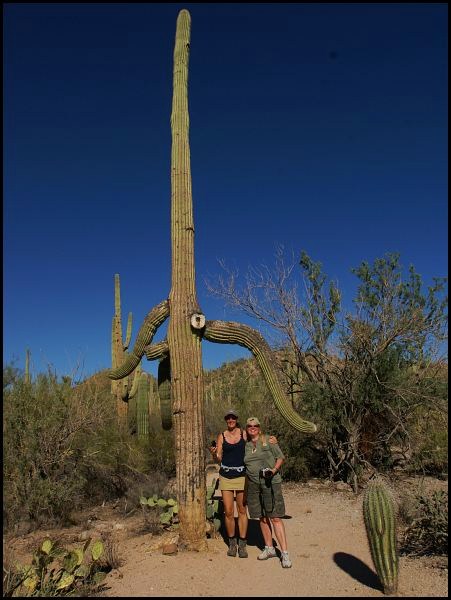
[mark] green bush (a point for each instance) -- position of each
(427, 529)
(429, 440)
(62, 447)
(41, 468)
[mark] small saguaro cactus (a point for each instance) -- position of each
(380, 523)
(187, 327)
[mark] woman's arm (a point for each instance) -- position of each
(276, 467)
(219, 448)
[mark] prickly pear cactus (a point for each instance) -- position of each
(379, 516)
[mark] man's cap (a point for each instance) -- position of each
(252, 421)
(231, 412)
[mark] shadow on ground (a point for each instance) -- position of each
(358, 570)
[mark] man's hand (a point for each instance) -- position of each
(272, 439)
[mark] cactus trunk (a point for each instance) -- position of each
(184, 343)
(379, 517)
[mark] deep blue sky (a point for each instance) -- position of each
(322, 127)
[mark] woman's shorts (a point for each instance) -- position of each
(265, 500)
(235, 484)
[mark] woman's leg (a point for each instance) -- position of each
(279, 532)
(229, 518)
(265, 526)
(242, 514)
(242, 524)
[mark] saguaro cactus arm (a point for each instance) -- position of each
(236, 333)
(152, 321)
(136, 376)
(129, 331)
(156, 351)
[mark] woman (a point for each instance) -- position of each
(229, 452)
(264, 489)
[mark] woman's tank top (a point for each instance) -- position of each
(232, 464)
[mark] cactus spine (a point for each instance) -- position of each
(187, 326)
(379, 517)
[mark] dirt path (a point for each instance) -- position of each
(327, 544)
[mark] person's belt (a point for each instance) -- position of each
(226, 469)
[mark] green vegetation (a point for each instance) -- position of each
(57, 571)
(167, 509)
(212, 507)
(63, 447)
(370, 380)
(427, 525)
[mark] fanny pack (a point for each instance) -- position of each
(226, 469)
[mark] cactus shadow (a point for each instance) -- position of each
(358, 570)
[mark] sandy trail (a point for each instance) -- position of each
(327, 544)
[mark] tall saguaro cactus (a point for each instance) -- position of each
(180, 354)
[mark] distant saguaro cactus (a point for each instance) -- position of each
(120, 389)
(142, 405)
(27, 375)
(187, 325)
(27, 366)
(379, 517)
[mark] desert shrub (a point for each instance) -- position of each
(63, 447)
(429, 442)
(427, 528)
(42, 469)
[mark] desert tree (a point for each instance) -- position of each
(364, 372)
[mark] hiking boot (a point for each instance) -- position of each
(242, 551)
(232, 547)
(268, 552)
(286, 562)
